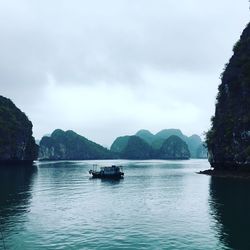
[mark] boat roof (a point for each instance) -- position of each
(113, 166)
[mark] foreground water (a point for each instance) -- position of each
(158, 205)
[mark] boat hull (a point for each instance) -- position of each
(107, 176)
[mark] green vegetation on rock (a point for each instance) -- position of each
(174, 148)
(201, 152)
(146, 136)
(166, 133)
(228, 139)
(69, 145)
(156, 141)
(194, 142)
(17, 144)
(119, 144)
(136, 149)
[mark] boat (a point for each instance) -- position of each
(113, 172)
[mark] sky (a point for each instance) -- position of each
(109, 68)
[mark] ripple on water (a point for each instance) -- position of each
(158, 205)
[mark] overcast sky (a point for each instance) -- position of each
(109, 68)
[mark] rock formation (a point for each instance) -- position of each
(17, 145)
(228, 140)
(146, 136)
(136, 149)
(69, 145)
(174, 148)
(156, 141)
(119, 144)
(201, 152)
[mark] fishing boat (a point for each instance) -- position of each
(113, 172)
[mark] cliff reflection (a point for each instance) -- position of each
(15, 191)
(230, 207)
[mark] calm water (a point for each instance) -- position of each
(159, 205)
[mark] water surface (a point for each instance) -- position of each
(158, 205)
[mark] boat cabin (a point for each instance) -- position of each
(110, 170)
(107, 172)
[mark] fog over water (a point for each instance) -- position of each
(109, 68)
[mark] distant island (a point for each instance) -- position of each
(68, 145)
(227, 143)
(166, 144)
(17, 145)
(228, 140)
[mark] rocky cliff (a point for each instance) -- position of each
(228, 140)
(174, 148)
(146, 136)
(17, 145)
(156, 141)
(69, 145)
(119, 144)
(201, 152)
(136, 149)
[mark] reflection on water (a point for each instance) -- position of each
(158, 205)
(15, 192)
(230, 207)
(112, 182)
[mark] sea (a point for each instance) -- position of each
(158, 205)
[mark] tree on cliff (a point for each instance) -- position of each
(16, 141)
(228, 140)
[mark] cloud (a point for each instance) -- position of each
(91, 109)
(116, 63)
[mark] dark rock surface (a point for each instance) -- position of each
(237, 173)
(228, 140)
(17, 145)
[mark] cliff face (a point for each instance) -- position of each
(136, 149)
(119, 144)
(228, 140)
(194, 142)
(174, 148)
(68, 145)
(146, 136)
(17, 145)
(156, 141)
(201, 152)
